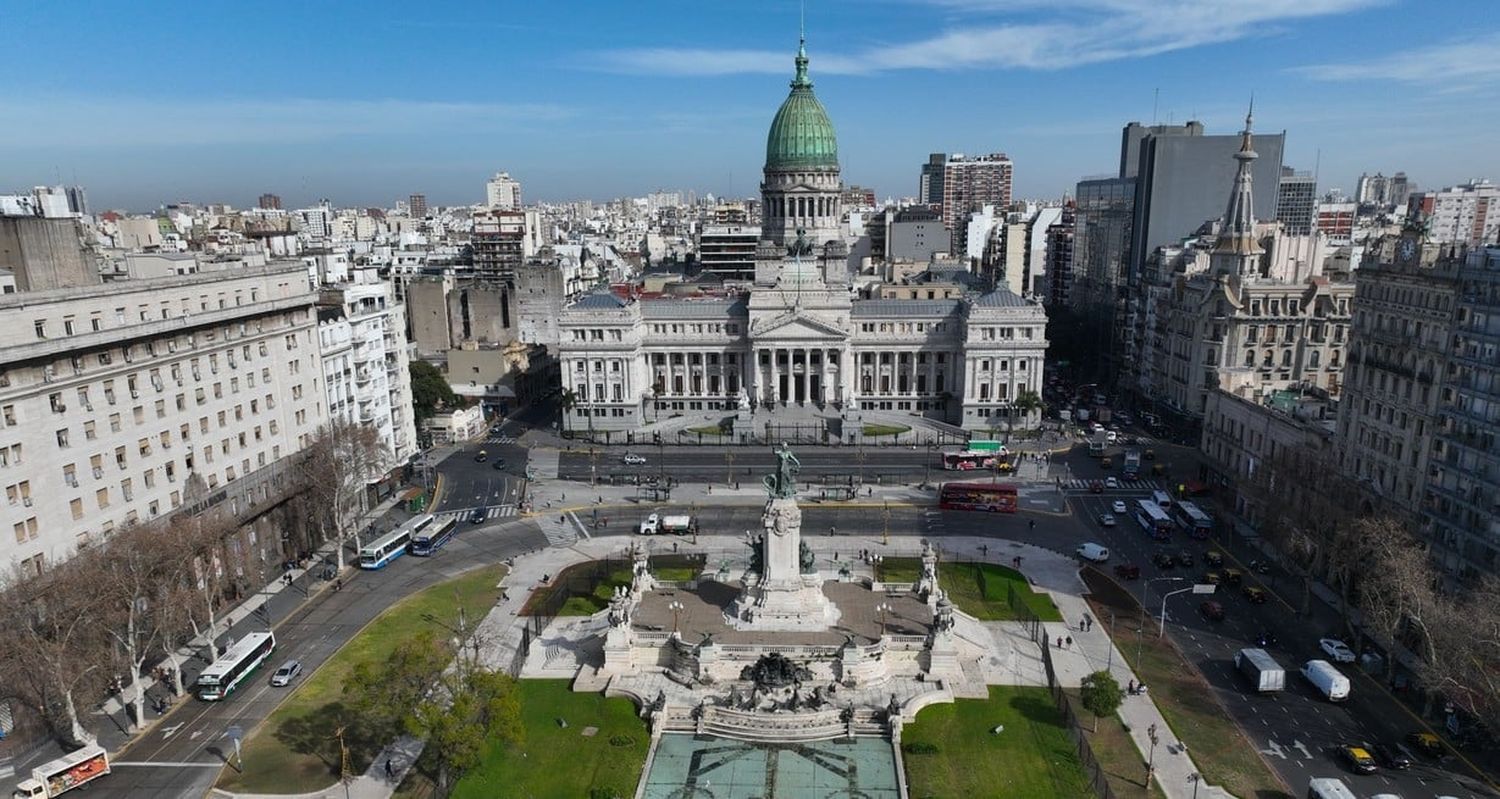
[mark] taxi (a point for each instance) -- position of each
(1358, 759)
(1256, 594)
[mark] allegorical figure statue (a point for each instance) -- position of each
(783, 484)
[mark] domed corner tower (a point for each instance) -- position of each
(800, 190)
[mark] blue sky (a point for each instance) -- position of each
(146, 103)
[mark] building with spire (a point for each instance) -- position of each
(1252, 316)
(798, 343)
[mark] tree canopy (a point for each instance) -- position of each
(429, 390)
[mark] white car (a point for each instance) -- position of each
(1118, 506)
(1336, 649)
(1106, 520)
(634, 460)
(288, 672)
(1111, 482)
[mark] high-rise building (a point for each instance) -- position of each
(499, 241)
(1399, 190)
(44, 253)
(969, 184)
(727, 252)
(1060, 242)
(930, 186)
(362, 339)
(1372, 189)
(503, 193)
(1336, 221)
(131, 400)
(1465, 214)
(1403, 315)
(269, 202)
(1296, 202)
(417, 206)
(78, 200)
(1463, 502)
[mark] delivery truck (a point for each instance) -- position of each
(56, 777)
(656, 523)
(1098, 441)
(1261, 669)
(1132, 464)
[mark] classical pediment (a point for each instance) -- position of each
(795, 325)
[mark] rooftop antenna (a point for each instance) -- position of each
(802, 21)
(1155, 102)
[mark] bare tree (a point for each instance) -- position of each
(1397, 600)
(1466, 647)
(132, 563)
(57, 652)
(338, 465)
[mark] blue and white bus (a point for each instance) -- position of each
(383, 550)
(429, 534)
(230, 669)
(1192, 519)
(1153, 519)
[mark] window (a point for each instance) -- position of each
(41, 328)
(62, 437)
(88, 430)
(101, 497)
(76, 507)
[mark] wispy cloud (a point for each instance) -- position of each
(1051, 34)
(1457, 65)
(123, 121)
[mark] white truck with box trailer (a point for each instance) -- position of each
(1262, 670)
(56, 777)
(657, 523)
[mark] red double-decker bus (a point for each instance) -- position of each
(996, 497)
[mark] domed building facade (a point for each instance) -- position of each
(799, 338)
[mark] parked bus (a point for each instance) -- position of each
(1191, 518)
(997, 497)
(220, 679)
(429, 534)
(1162, 499)
(973, 459)
(383, 550)
(1153, 519)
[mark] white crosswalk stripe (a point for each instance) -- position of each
(490, 512)
(1080, 484)
(501, 440)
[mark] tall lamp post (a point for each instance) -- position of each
(728, 468)
(883, 609)
(1198, 588)
(885, 516)
(1151, 758)
(676, 608)
(927, 467)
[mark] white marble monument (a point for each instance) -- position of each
(785, 592)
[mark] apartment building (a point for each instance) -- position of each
(362, 336)
(121, 402)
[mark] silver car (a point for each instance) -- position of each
(288, 672)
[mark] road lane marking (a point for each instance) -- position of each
(168, 732)
(177, 764)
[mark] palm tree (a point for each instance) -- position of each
(1027, 401)
(567, 401)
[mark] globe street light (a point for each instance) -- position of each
(883, 608)
(676, 608)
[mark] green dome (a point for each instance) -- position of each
(801, 135)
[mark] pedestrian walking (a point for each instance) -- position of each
(674, 547)
(390, 773)
(606, 522)
(1031, 524)
(338, 585)
(1130, 689)
(1059, 642)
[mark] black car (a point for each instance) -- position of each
(1163, 560)
(1392, 756)
(1185, 559)
(477, 516)
(498, 465)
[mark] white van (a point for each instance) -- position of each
(1162, 499)
(1094, 552)
(1328, 788)
(1332, 684)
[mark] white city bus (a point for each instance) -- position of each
(220, 679)
(1191, 518)
(1153, 520)
(383, 550)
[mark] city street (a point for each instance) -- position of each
(181, 757)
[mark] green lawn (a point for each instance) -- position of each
(1123, 766)
(667, 568)
(1031, 757)
(295, 749)
(562, 762)
(708, 430)
(963, 586)
(874, 430)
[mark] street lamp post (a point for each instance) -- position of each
(676, 608)
(859, 455)
(883, 608)
(1197, 588)
(927, 467)
(1195, 778)
(729, 468)
(885, 515)
(1151, 758)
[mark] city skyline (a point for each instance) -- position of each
(671, 98)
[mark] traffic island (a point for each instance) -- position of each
(986, 591)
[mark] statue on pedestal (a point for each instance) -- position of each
(927, 583)
(783, 484)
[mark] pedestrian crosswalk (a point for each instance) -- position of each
(490, 512)
(500, 440)
(1121, 485)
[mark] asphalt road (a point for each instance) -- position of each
(182, 756)
(499, 480)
